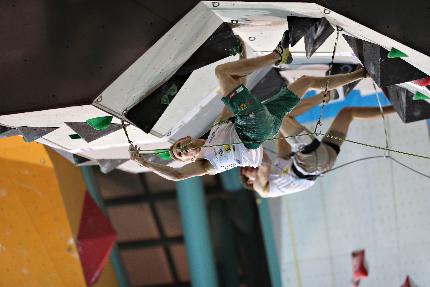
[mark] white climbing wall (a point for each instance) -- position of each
(160, 62)
(264, 20)
(374, 205)
(197, 104)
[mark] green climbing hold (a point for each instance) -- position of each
(169, 95)
(237, 48)
(173, 90)
(165, 100)
(164, 154)
(394, 53)
(74, 136)
(100, 123)
(420, 96)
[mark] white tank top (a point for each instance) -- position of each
(228, 153)
(282, 179)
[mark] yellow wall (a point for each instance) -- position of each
(40, 210)
(73, 189)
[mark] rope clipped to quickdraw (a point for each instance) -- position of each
(387, 145)
(330, 67)
(125, 131)
(164, 154)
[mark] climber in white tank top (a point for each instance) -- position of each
(222, 151)
(224, 156)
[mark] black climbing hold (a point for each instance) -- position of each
(218, 46)
(408, 109)
(33, 133)
(299, 26)
(317, 35)
(89, 134)
(147, 112)
(315, 30)
(74, 136)
(383, 70)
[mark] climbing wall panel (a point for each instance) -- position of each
(36, 240)
(160, 62)
(374, 205)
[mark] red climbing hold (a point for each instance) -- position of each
(358, 265)
(407, 283)
(422, 82)
(96, 239)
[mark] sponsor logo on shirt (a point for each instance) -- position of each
(227, 148)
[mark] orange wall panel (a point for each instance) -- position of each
(40, 207)
(37, 243)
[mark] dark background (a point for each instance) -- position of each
(59, 53)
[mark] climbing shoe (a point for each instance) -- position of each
(282, 49)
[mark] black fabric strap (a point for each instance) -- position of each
(333, 146)
(304, 176)
(311, 147)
